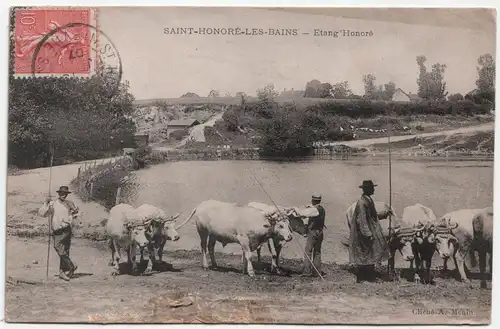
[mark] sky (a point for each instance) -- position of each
(159, 65)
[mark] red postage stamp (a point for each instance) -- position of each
(54, 41)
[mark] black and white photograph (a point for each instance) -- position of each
(250, 165)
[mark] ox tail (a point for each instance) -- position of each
(187, 220)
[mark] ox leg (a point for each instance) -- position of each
(391, 271)
(203, 244)
(278, 247)
(274, 256)
(152, 258)
(482, 268)
(211, 250)
(132, 250)
(160, 252)
(427, 263)
(118, 256)
(258, 253)
(418, 264)
(459, 264)
(112, 248)
(245, 245)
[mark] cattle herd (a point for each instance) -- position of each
(418, 234)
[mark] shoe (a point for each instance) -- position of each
(63, 276)
(72, 271)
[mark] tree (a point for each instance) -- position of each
(325, 90)
(268, 93)
(390, 89)
(486, 77)
(214, 93)
(313, 88)
(370, 88)
(341, 90)
(431, 85)
(455, 97)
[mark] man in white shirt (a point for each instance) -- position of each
(61, 212)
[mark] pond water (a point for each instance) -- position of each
(442, 184)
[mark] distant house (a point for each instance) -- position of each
(471, 95)
(184, 124)
(400, 96)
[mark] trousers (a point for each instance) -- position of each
(62, 244)
(313, 250)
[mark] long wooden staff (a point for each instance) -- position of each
(51, 151)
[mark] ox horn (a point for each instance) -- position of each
(176, 216)
(452, 226)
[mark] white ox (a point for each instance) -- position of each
(231, 223)
(475, 226)
(296, 225)
(125, 230)
(160, 229)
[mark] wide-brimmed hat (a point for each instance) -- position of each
(367, 183)
(316, 197)
(63, 189)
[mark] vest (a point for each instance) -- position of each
(318, 222)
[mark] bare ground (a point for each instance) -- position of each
(223, 295)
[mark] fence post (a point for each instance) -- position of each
(91, 190)
(118, 192)
(79, 169)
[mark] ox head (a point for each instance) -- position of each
(441, 235)
(137, 233)
(163, 226)
(279, 225)
(403, 239)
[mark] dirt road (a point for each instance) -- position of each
(465, 130)
(225, 295)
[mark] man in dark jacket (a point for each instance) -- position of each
(315, 227)
(368, 245)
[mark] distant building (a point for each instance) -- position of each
(184, 124)
(400, 96)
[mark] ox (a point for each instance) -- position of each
(482, 226)
(161, 229)
(424, 243)
(400, 238)
(125, 230)
(231, 223)
(473, 233)
(296, 224)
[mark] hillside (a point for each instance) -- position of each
(237, 127)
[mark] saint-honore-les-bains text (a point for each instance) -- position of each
(263, 32)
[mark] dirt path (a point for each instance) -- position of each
(225, 295)
(465, 130)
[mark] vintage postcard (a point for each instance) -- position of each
(250, 165)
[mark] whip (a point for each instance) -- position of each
(289, 227)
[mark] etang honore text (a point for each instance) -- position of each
(260, 31)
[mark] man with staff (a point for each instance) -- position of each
(368, 245)
(61, 212)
